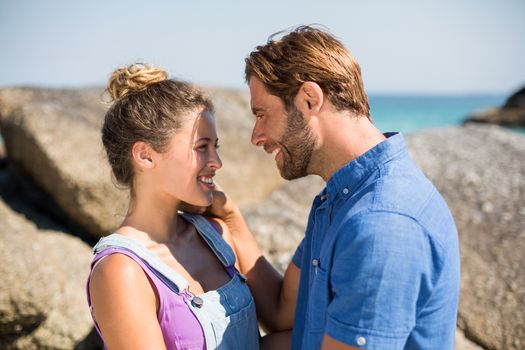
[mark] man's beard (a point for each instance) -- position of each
(297, 145)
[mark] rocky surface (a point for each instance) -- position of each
(42, 289)
(517, 100)
(53, 137)
(512, 113)
(462, 343)
(55, 162)
(481, 173)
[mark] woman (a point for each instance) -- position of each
(166, 280)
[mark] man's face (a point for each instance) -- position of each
(284, 134)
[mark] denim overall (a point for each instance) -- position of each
(227, 315)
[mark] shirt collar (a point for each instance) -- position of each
(350, 176)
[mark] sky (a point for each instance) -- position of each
(404, 47)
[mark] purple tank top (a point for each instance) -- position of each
(180, 328)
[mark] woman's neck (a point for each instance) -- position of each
(154, 218)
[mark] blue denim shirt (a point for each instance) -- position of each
(380, 258)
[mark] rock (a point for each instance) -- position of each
(53, 136)
(36, 205)
(481, 174)
(42, 289)
(462, 343)
(514, 117)
(517, 100)
(512, 113)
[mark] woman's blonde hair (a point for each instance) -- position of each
(146, 106)
(309, 54)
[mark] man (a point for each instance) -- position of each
(378, 267)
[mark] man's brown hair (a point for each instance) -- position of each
(309, 54)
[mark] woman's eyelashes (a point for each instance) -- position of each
(203, 147)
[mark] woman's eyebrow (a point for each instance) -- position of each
(206, 139)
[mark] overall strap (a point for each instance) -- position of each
(161, 270)
(214, 239)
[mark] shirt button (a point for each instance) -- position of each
(345, 190)
(315, 262)
(361, 341)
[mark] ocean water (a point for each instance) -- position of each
(409, 114)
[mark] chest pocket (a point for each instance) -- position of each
(237, 331)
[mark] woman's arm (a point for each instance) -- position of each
(125, 305)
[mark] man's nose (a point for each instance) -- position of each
(258, 137)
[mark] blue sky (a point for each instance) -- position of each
(422, 47)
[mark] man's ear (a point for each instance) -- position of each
(309, 98)
(143, 155)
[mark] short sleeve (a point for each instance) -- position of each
(298, 255)
(381, 260)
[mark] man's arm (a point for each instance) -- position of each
(376, 279)
(275, 296)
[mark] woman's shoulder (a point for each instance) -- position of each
(117, 271)
(116, 283)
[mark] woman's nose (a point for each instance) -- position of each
(215, 160)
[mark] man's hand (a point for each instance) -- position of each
(222, 206)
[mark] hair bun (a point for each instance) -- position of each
(135, 77)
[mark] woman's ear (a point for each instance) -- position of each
(143, 155)
(309, 98)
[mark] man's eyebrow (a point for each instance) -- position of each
(256, 110)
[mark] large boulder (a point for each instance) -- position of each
(517, 100)
(480, 170)
(512, 113)
(42, 288)
(53, 137)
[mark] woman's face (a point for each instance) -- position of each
(186, 170)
